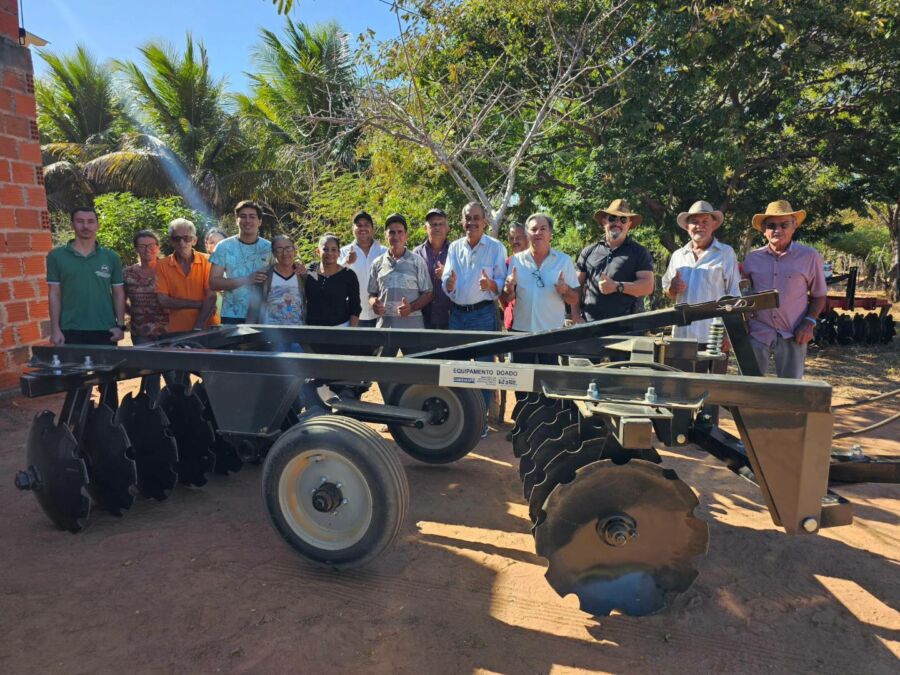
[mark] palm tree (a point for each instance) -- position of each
(189, 144)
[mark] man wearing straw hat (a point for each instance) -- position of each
(617, 272)
(704, 269)
(798, 274)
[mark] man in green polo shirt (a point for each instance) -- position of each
(85, 287)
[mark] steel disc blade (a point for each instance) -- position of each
(561, 469)
(62, 475)
(521, 400)
(193, 433)
(639, 575)
(522, 419)
(543, 414)
(572, 437)
(227, 457)
(110, 461)
(153, 445)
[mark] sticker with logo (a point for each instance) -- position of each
(103, 272)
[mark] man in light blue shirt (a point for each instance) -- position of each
(472, 279)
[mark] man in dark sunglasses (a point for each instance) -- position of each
(182, 282)
(798, 274)
(617, 272)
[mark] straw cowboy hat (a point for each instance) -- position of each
(696, 208)
(782, 207)
(618, 207)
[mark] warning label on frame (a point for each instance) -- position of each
(487, 376)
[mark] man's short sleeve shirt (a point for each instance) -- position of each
(394, 279)
(538, 304)
(86, 283)
(619, 264)
(240, 260)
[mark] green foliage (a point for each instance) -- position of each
(122, 214)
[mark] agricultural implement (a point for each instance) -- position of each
(616, 526)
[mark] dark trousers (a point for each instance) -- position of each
(88, 337)
(231, 320)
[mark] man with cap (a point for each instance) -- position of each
(617, 272)
(434, 252)
(798, 274)
(358, 256)
(704, 269)
(399, 283)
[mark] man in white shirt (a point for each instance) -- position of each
(702, 270)
(359, 257)
(542, 281)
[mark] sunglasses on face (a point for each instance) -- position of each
(613, 219)
(181, 237)
(775, 226)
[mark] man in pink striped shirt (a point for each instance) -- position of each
(798, 274)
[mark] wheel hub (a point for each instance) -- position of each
(437, 409)
(617, 530)
(327, 498)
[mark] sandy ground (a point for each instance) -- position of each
(202, 583)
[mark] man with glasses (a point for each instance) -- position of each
(434, 252)
(148, 318)
(240, 261)
(617, 272)
(542, 281)
(183, 282)
(798, 274)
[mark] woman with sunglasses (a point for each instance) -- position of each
(617, 272)
(542, 281)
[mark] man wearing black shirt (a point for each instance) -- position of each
(616, 273)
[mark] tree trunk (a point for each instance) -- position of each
(893, 276)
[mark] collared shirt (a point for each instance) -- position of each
(619, 264)
(172, 281)
(240, 259)
(538, 305)
(798, 274)
(436, 312)
(148, 318)
(488, 256)
(393, 279)
(362, 267)
(86, 286)
(714, 274)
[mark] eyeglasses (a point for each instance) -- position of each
(775, 226)
(537, 275)
(181, 237)
(283, 249)
(612, 219)
(147, 247)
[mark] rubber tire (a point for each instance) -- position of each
(471, 403)
(372, 456)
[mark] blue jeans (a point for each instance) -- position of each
(480, 319)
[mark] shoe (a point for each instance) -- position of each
(485, 430)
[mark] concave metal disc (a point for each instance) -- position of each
(110, 461)
(532, 467)
(153, 445)
(537, 416)
(193, 433)
(638, 576)
(547, 432)
(62, 475)
(227, 458)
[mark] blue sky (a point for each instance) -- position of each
(228, 28)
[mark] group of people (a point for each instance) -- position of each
(440, 284)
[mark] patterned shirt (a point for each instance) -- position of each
(714, 274)
(148, 317)
(240, 260)
(393, 279)
(284, 306)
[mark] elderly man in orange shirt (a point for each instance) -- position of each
(182, 282)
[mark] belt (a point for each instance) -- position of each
(472, 308)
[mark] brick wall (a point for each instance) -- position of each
(24, 220)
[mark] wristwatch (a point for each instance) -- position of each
(620, 287)
(121, 327)
(812, 320)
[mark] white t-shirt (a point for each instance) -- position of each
(538, 305)
(362, 267)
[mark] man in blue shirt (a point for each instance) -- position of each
(472, 279)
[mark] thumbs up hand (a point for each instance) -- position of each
(438, 271)
(509, 286)
(352, 257)
(678, 285)
(451, 281)
(606, 285)
(405, 308)
(378, 306)
(561, 286)
(485, 283)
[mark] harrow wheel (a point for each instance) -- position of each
(194, 434)
(335, 491)
(153, 444)
(621, 537)
(56, 474)
(110, 461)
(454, 428)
